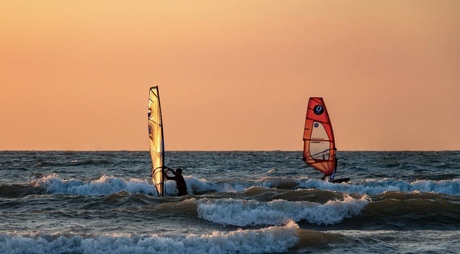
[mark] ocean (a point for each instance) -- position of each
(238, 202)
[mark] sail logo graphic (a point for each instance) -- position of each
(318, 109)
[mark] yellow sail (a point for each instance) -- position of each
(156, 140)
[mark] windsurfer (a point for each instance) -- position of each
(335, 169)
(328, 178)
(180, 182)
(331, 177)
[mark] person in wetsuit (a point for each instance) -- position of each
(180, 182)
(331, 177)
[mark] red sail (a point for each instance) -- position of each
(319, 145)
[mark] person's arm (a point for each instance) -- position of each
(164, 172)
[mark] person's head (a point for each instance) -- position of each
(179, 171)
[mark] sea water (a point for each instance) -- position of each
(238, 202)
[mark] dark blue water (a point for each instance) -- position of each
(239, 202)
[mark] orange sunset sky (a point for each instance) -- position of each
(233, 75)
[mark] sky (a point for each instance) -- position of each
(233, 75)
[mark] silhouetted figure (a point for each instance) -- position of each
(331, 177)
(180, 182)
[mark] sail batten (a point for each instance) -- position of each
(156, 140)
(319, 143)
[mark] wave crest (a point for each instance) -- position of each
(277, 212)
(267, 240)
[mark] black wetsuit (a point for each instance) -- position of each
(180, 184)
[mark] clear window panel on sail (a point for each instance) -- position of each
(320, 143)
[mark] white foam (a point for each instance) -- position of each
(372, 187)
(277, 212)
(267, 240)
(196, 185)
(107, 185)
